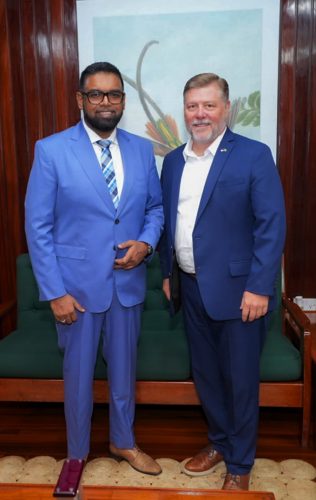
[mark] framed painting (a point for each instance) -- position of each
(158, 46)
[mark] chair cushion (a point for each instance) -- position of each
(280, 360)
(32, 351)
(162, 355)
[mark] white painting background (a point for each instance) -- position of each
(237, 40)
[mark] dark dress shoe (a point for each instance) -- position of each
(137, 459)
(236, 482)
(203, 462)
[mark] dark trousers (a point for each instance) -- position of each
(225, 357)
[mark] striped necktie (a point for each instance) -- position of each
(108, 169)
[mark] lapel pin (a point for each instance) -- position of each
(224, 150)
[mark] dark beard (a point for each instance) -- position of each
(102, 124)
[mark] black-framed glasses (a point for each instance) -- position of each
(97, 96)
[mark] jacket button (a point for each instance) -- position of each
(117, 221)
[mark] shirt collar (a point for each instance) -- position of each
(211, 149)
(94, 137)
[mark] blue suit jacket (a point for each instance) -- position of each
(239, 232)
(72, 226)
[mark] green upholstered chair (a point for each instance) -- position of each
(31, 351)
(31, 363)
(285, 367)
(280, 359)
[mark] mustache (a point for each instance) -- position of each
(201, 122)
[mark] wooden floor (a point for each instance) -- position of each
(27, 492)
(175, 432)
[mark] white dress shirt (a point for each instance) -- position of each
(195, 172)
(115, 152)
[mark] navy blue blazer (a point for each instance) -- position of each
(239, 231)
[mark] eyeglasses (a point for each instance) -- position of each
(97, 96)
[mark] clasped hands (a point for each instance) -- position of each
(137, 251)
(64, 308)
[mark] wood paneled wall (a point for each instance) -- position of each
(296, 142)
(38, 79)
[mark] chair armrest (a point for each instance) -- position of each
(6, 307)
(296, 314)
(302, 327)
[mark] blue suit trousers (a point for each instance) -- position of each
(120, 328)
(225, 358)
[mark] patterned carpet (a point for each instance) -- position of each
(288, 480)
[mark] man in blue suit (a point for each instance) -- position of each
(93, 216)
(224, 233)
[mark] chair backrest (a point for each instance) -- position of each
(31, 311)
(280, 360)
(163, 351)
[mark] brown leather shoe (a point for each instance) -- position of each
(236, 482)
(139, 460)
(203, 462)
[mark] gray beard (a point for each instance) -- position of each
(205, 140)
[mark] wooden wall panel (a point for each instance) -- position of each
(38, 80)
(10, 241)
(310, 195)
(296, 133)
(39, 74)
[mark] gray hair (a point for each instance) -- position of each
(204, 79)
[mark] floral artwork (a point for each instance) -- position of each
(163, 130)
(158, 46)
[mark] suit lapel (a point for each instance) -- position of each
(220, 158)
(83, 150)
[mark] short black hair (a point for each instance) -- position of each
(99, 67)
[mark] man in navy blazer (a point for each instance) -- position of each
(89, 250)
(224, 232)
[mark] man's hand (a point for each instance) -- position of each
(64, 309)
(253, 306)
(137, 251)
(166, 288)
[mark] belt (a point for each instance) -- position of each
(192, 275)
